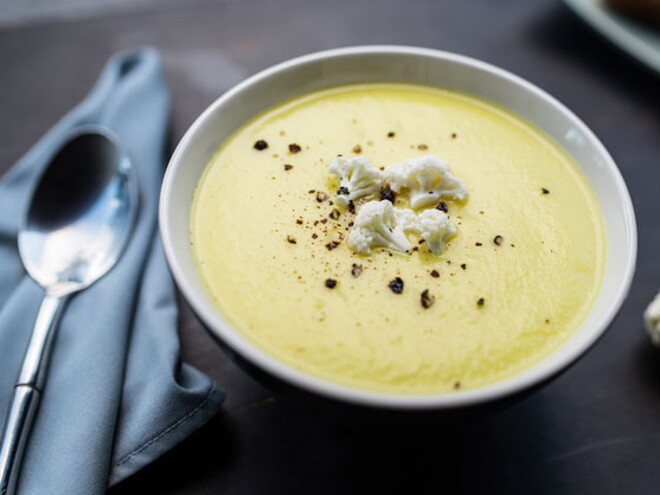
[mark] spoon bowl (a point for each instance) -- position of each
(80, 215)
(79, 220)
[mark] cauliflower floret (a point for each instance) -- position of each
(652, 320)
(435, 228)
(406, 219)
(427, 179)
(357, 178)
(379, 224)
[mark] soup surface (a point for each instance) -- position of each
(517, 279)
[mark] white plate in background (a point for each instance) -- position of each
(640, 41)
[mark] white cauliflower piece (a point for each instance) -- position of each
(427, 179)
(652, 320)
(406, 219)
(379, 224)
(435, 228)
(357, 178)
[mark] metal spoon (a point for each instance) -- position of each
(80, 217)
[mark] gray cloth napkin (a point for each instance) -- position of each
(117, 395)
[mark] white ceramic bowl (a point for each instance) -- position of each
(411, 65)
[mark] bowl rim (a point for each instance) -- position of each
(248, 350)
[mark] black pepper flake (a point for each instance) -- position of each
(435, 274)
(260, 145)
(356, 270)
(421, 241)
(391, 134)
(291, 239)
(416, 248)
(299, 221)
(331, 245)
(422, 147)
(498, 240)
(481, 301)
(463, 266)
(334, 214)
(478, 244)
(457, 385)
(396, 285)
(350, 224)
(330, 283)
(315, 236)
(545, 191)
(442, 206)
(454, 135)
(287, 167)
(427, 299)
(357, 149)
(311, 191)
(324, 221)
(351, 206)
(321, 196)
(343, 191)
(294, 148)
(547, 321)
(386, 194)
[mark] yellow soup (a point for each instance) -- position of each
(517, 279)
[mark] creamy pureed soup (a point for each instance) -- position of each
(515, 281)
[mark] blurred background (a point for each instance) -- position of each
(596, 429)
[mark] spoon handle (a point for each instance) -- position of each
(27, 392)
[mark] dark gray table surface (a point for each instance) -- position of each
(594, 430)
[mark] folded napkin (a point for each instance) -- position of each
(117, 395)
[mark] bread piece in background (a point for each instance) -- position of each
(643, 10)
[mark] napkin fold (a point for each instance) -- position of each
(117, 395)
